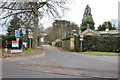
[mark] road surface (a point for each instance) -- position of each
(56, 63)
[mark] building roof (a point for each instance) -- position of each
(109, 32)
(89, 30)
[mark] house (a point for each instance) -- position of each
(106, 33)
(112, 33)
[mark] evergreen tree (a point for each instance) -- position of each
(103, 27)
(110, 26)
(87, 19)
(14, 25)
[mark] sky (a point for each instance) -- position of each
(101, 10)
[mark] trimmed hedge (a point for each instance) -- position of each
(77, 43)
(97, 43)
(67, 38)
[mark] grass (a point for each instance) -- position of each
(98, 53)
(27, 52)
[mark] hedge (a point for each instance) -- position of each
(58, 44)
(98, 43)
(67, 38)
(77, 43)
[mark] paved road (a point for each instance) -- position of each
(58, 63)
(22, 73)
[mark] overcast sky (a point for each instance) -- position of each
(102, 10)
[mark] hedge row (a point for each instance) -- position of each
(66, 38)
(97, 43)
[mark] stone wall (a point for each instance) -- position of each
(68, 44)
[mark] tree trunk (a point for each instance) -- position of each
(35, 28)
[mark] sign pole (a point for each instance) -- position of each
(81, 43)
(17, 35)
(30, 43)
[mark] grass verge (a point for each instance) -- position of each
(27, 52)
(98, 53)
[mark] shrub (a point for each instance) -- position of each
(67, 38)
(77, 43)
(58, 44)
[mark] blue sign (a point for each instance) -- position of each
(17, 33)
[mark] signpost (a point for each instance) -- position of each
(81, 39)
(24, 42)
(16, 51)
(15, 44)
(17, 33)
(30, 36)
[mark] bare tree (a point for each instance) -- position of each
(30, 11)
(61, 29)
(114, 23)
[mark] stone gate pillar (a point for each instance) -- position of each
(72, 44)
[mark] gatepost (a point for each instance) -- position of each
(72, 45)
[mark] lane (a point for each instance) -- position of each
(67, 59)
(22, 73)
(56, 60)
(18, 73)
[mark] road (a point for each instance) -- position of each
(56, 63)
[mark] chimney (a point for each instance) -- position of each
(88, 26)
(107, 27)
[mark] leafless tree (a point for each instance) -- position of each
(114, 23)
(29, 12)
(61, 29)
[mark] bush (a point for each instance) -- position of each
(58, 44)
(77, 43)
(67, 38)
(97, 43)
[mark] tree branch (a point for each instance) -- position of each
(15, 14)
(41, 4)
(15, 9)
